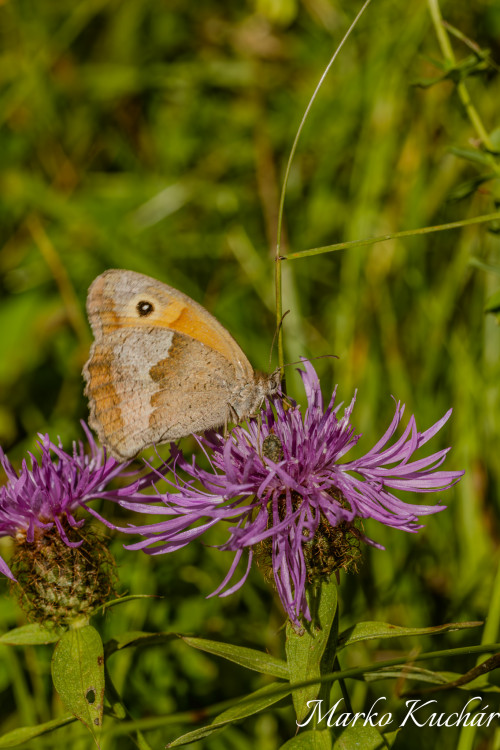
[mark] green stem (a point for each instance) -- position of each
(463, 92)
(471, 44)
(279, 315)
(279, 302)
(192, 716)
(491, 628)
(311, 652)
(121, 711)
(329, 660)
(343, 688)
(393, 236)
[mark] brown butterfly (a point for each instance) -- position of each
(161, 367)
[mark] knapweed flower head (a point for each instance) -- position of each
(41, 509)
(284, 482)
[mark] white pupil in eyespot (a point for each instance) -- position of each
(144, 308)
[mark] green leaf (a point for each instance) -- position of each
(493, 303)
(78, 675)
(368, 631)
(391, 737)
(495, 140)
(479, 683)
(304, 651)
(33, 634)
(246, 657)
(472, 154)
(359, 736)
(488, 267)
(198, 734)
(125, 599)
(310, 741)
(25, 734)
(134, 639)
(426, 83)
(254, 702)
(406, 672)
(471, 65)
(464, 189)
(418, 674)
(260, 700)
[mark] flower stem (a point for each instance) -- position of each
(394, 236)
(343, 688)
(329, 661)
(463, 92)
(491, 629)
(311, 652)
(278, 258)
(121, 712)
(279, 313)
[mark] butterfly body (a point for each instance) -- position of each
(161, 367)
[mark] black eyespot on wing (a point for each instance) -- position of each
(144, 308)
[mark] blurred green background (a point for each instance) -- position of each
(154, 136)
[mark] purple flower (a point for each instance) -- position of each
(283, 477)
(48, 493)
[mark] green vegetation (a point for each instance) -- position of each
(154, 136)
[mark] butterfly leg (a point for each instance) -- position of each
(231, 416)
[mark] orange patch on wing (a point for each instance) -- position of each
(110, 321)
(100, 308)
(105, 399)
(111, 422)
(180, 317)
(107, 420)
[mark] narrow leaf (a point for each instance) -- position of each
(134, 639)
(304, 651)
(359, 736)
(467, 67)
(246, 657)
(393, 236)
(492, 304)
(125, 599)
(198, 734)
(78, 675)
(407, 672)
(251, 704)
(310, 741)
(445, 680)
(488, 267)
(25, 734)
(473, 677)
(31, 635)
(368, 631)
(469, 187)
(426, 83)
(472, 154)
(255, 702)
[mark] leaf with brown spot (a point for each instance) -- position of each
(78, 675)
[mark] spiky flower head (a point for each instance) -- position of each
(62, 570)
(284, 482)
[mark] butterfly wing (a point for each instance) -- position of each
(161, 366)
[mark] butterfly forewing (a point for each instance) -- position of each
(161, 366)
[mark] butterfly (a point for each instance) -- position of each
(161, 367)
